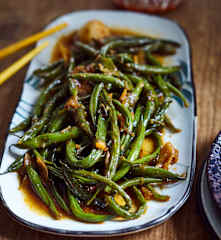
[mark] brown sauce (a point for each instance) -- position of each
(32, 200)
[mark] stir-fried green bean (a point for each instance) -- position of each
(98, 77)
(60, 201)
(146, 159)
(115, 137)
(156, 172)
(86, 162)
(85, 138)
(89, 50)
(79, 213)
(94, 101)
(47, 139)
(124, 43)
(41, 191)
(149, 69)
(157, 196)
(15, 166)
(22, 126)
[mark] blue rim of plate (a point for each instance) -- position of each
(141, 227)
(214, 170)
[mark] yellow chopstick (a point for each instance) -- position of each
(7, 73)
(29, 40)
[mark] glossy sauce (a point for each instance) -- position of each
(32, 200)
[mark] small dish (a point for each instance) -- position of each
(184, 118)
(214, 170)
(208, 207)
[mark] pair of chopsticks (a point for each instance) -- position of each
(7, 73)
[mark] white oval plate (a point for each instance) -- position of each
(184, 118)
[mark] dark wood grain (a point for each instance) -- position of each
(201, 19)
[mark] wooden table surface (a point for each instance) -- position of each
(201, 19)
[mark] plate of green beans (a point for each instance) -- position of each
(104, 131)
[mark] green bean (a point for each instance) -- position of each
(124, 213)
(80, 117)
(47, 139)
(86, 162)
(75, 187)
(160, 46)
(94, 197)
(44, 96)
(151, 59)
(139, 181)
(149, 109)
(127, 82)
(85, 180)
(101, 133)
(115, 151)
(178, 93)
(57, 122)
(48, 68)
(119, 211)
(123, 43)
(79, 213)
(107, 181)
(147, 86)
(170, 125)
(78, 110)
(156, 195)
(133, 97)
(52, 74)
(56, 172)
(41, 191)
(98, 77)
(137, 115)
(137, 143)
(160, 113)
(133, 152)
(146, 159)
(15, 166)
(125, 141)
(162, 85)
(165, 47)
(38, 126)
(73, 88)
(149, 69)
(156, 172)
(115, 136)
(126, 112)
(22, 126)
(89, 50)
(149, 131)
(106, 65)
(41, 165)
(60, 201)
(122, 58)
(94, 101)
(142, 201)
